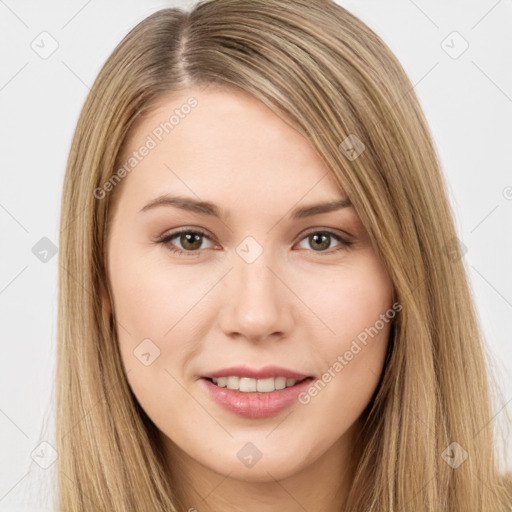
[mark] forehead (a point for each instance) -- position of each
(216, 142)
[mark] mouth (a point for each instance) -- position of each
(251, 385)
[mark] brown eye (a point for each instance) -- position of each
(189, 241)
(320, 241)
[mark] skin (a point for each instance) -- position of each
(300, 304)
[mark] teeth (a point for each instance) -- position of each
(233, 383)
(222, 382)
(247, 385)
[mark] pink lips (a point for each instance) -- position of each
(255, 404)
(263, 373)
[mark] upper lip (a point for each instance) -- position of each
(261, 373)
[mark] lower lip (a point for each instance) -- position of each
(254, 404)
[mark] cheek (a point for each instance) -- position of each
(352, 300)
(152, 297)
(356, 311)
(154, 307)
(158, 307)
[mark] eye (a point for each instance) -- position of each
(321, 240)
(189, 239)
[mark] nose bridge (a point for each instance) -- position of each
(256, 303)
(254, 279)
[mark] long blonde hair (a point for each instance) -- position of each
(330, 76)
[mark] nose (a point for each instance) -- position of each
(256, 302)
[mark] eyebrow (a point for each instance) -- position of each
(211, 209)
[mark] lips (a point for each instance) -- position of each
(259, 402)
(262, 373)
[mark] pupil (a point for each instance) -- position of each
(324, 244)
(189, 239)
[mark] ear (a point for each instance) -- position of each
(105, 299)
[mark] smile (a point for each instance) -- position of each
(248, 385)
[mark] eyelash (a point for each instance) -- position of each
(345, 244)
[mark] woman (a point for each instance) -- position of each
(263, 304)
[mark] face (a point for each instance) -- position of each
(240, 279)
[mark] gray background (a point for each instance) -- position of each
(467, 99)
